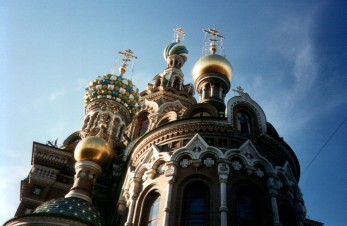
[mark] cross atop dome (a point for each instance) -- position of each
(127, 57)
(179, 34)
(213, 37)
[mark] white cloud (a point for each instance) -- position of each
(53, 96)
(305, 68)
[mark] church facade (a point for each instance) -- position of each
(160, 157)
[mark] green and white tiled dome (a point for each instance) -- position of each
(70, 208)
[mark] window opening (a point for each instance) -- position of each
(196, 204)
(153, 214)
(244, 123)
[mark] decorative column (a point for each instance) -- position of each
(300, 206)
(274, 185)
(170, 175)
(135, 191)
(223, 172)
(203, 96)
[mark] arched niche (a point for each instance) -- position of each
(239, 106)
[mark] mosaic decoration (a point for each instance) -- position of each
(74, 208)
(117, 88)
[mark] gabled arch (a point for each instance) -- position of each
(168, 117)
(196, 148)
(245, 102)
(249, 156)
(150, 106)
(175, 106)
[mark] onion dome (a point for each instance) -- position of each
(116, 88)
(213, 63)
(176, 48)
(93, 148)
(70, 208)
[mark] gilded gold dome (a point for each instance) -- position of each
(94, 149)
(213, 63)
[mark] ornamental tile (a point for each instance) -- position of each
(73, 208)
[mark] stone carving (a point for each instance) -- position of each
(185, 163)
(236, 165)
(249, 155)
(223, 168)
(259, 172)
(197, 148)
(170, 170)
(160, 168)
(208, 162)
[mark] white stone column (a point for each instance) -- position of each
(223, 171)
(203, 94)
(274, 185)
(170, 174)
(134, 195)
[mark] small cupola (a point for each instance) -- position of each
(175, 53)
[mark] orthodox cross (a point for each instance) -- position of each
(239, 90)
(127, 56)
(213, 39)
(179, 34)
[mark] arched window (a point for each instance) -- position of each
(151, 209)
(177, 84)
(143, 123)
(247, 208)
(158, 82)
(244, 123)
(287, 214)
(195, 209)
(244, 208)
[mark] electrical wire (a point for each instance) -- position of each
(324, 145)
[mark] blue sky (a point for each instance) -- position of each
(290, 56)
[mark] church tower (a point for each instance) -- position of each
(212, 73)
(159, 157)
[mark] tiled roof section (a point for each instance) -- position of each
(73, 208)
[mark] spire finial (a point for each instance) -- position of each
(127, 56)
(179, 34)
(212, 37)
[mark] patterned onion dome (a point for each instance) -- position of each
(213, 63)
(70, 208)
(117, 88)
(176, 48)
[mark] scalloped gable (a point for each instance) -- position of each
(248, 101)
(248, 150)
(195, 147)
